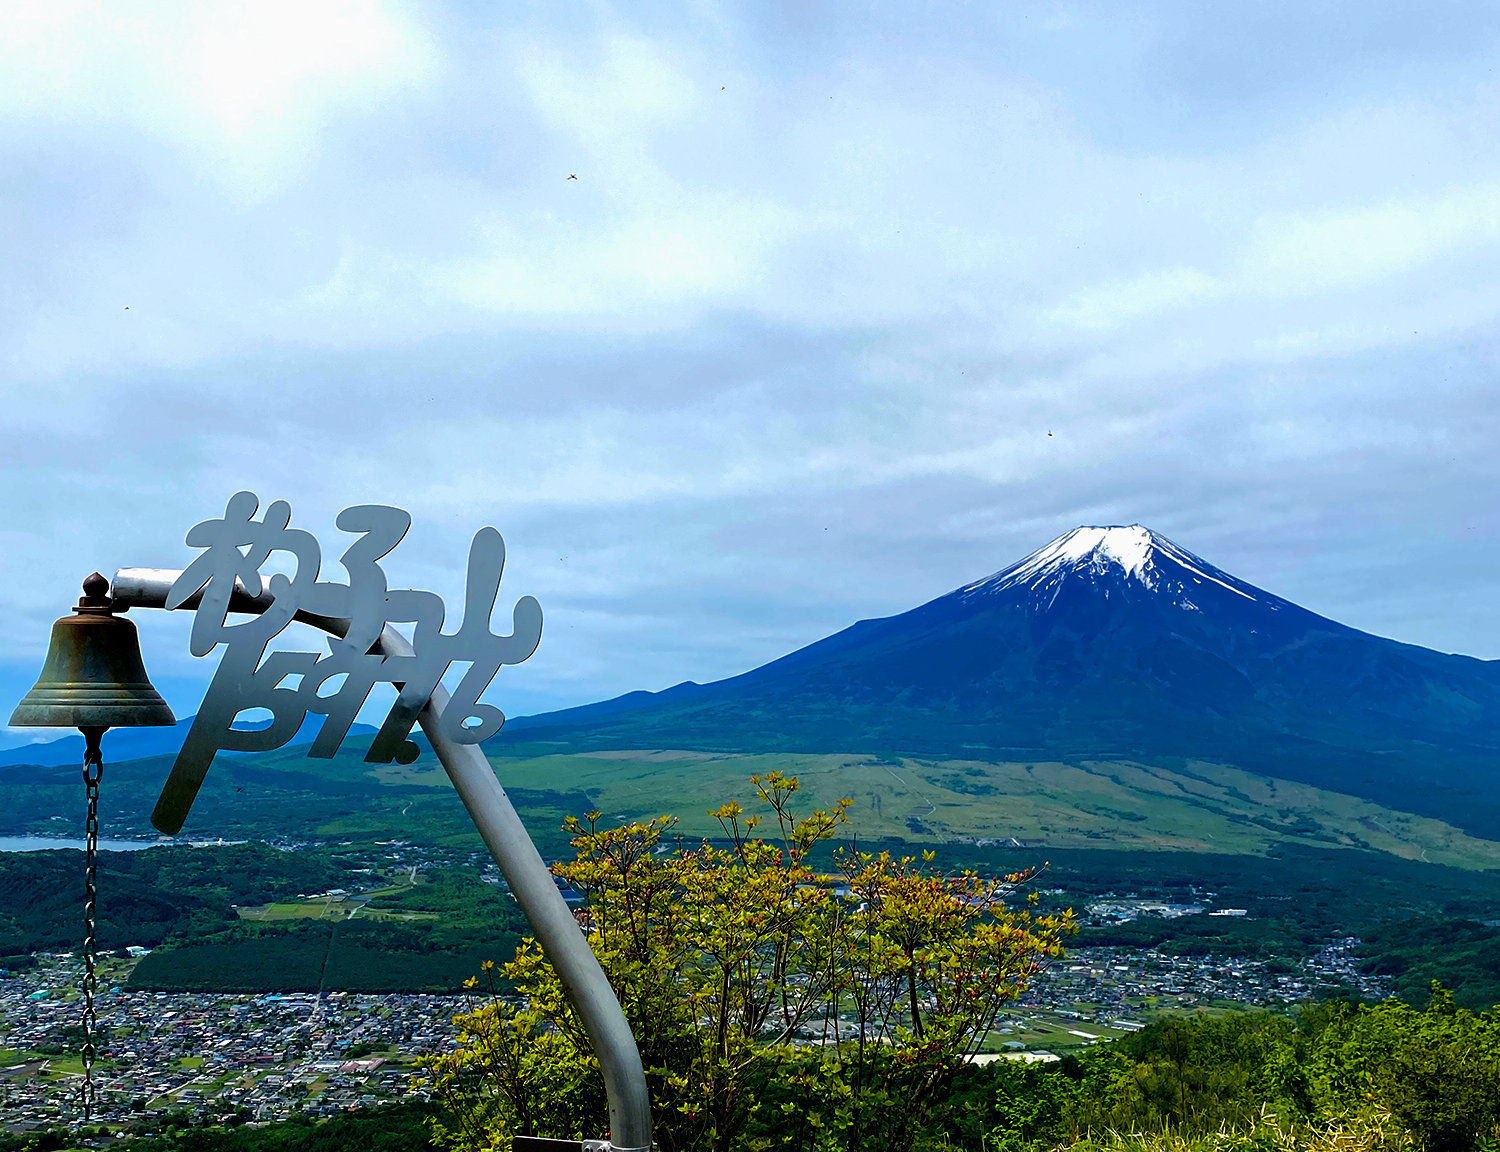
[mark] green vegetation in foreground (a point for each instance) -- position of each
(722, 953)
(1338, 1079)
(726, 956)
(1387, 1079)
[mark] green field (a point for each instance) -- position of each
(1191, 806)
(299, 910)
(1050, 1032)
(367, 906)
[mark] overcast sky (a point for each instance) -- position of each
(846, 307)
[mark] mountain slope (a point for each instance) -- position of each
(1110, 641)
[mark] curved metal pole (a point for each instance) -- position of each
(528, 876)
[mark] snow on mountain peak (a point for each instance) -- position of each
(1137, 552)
(1129, 547)
(1091, 546)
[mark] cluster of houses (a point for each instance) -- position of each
(1114, 988)
(252, 1058)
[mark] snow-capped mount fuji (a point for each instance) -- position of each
(1109, 641)
(1106, 555)
(1084, 572)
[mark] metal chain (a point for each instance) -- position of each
(93, 770)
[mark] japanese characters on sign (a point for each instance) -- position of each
(336, 684)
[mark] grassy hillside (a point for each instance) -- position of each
(1084, 802)
(1310, 864)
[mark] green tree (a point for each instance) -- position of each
(723, 956)
(1436, 1071)
(1201, 1075)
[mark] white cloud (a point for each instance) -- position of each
(609, 95)
(1110, 306)
(244, 86)
(1307, 253)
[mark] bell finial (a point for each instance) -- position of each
(95, 591)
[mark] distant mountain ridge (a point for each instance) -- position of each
(120, 744)
(1109, 641)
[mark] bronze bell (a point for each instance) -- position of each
(93, 676)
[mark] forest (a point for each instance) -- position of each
(421, 937)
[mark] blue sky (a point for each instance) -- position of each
(847, 306)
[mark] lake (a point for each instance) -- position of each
(44, 843)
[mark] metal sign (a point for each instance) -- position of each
(336, 684)
(366, 650)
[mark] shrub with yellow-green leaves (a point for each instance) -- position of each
(737, 963)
